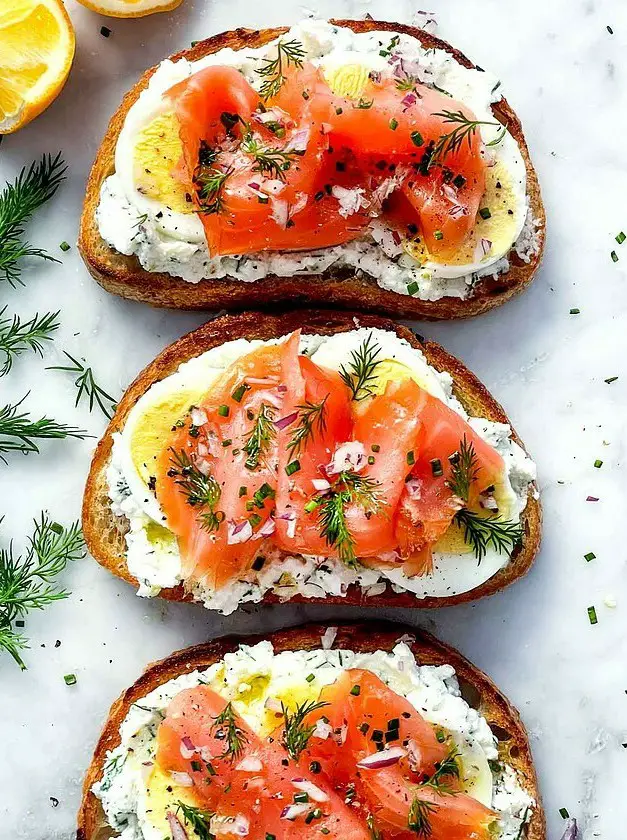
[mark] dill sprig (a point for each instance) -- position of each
(350, 487)
(210, 181)
(201, 490)
(87, 386)
(269, 161)
(199, 820)
(296, 733)
(465, 129)
(18, 201)
(260, 437)
(445, 770)
(464, 470)
(483, 532)
(288, 52)
(419, 817)
(375, 834)
(17, 336)
(311, 417)
(19, 433)
(226, 728)
(27, 582)
(361, 376)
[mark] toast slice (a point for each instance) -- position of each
(124, 276)
(477, 689)
(105, 539)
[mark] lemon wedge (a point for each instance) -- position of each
(36, 52)
(130, 8)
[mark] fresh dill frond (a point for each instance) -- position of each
(451, 142)
(464, 470)
(350, 487)
(19, 433)
(87, 386)
(273, 71)
(311, 417)
(18, 201)
(260, 437)
(419, 817)
(27, 582)
(200, 490)
(197, 818)
(210, 181)
(445, 770)
(375, 834)
(268, 161)
(406, 83)
(17, 336)
(226, 728)
(481, 533)
(361, 376)
(296, 733)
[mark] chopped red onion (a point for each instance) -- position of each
(299, 140)
(315, 793)
(321, 485)
(198, 416)
(457, 211)
(280, 212)
(239, 825)
(326, 128)
(187, 748)
(264, 381)
(250, 764)
(272, 186)
(206, 754)
(178, 832)
(408, 100)
(286, 421)
(239, 532)
(290, 812)
(273, 705)
(348, 456)
(290, 518)
(385, 758)
(323, 730)
(328, 638)
(396, 237)
(571, 831)
(203, 465)
(255, 186)
(299, 204)
(450, 193)
(414, 488)
(182, 779)
(267, 529)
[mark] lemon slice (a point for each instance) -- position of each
(130, 8)
(36, 53)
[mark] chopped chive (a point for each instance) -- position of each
(210, 768)
(239, 392)
(485, 213)
(598, 464)
(459, 181)
(315, 767)
(416, 138)
(375, 447)
(70, 679)
(64, 246)
(227, 442)
(270, 836)
(620, 237)
(250, 505)
(292, 467)
(305, 94)
(575, 311)
(371, 460)
(254, 519)
(105, 31)
(301, 797)
(589, 556)
(338, 111)
(614, 256)
(325, 830)
(610, 379)
(196, 766)
(223, 410)
(311, 506)
(436, 467)
(363, 728)
(564, 814)
(243, 490)
(592, 615)
(310, 677)
(193, 43)
(609, 29)
(356, 690)
(411, 458)
(377, 735)
(438, 235)
(440, 736)
(412, 287)
(258, 563)
(393, 124)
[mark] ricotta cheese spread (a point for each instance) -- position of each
(166, 240)
(152, 551)
(432, 690)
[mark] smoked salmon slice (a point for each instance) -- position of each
(281, 453)
(245, 780)
(272, 173)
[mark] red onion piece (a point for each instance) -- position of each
(198, 416)
(414, 488)
(239, 533)
(264, 381)
(182, 779)
(286, 421)
(408, 100)
(290, 518)
(321, 485)
(385, 758)
(178, 832)
(315, 793)
(255, 186)
(571, 831)
(299, 140)
(187, 748)
(290, 812)
(250, 764)
(348, 456)
(267, 529)
(396, 237)
(457, 211)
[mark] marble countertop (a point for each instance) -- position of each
(563, 72)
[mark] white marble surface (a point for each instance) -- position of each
(565, 74)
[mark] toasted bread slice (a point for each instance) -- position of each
(477, 689)
(105, 539)
(123, 275)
